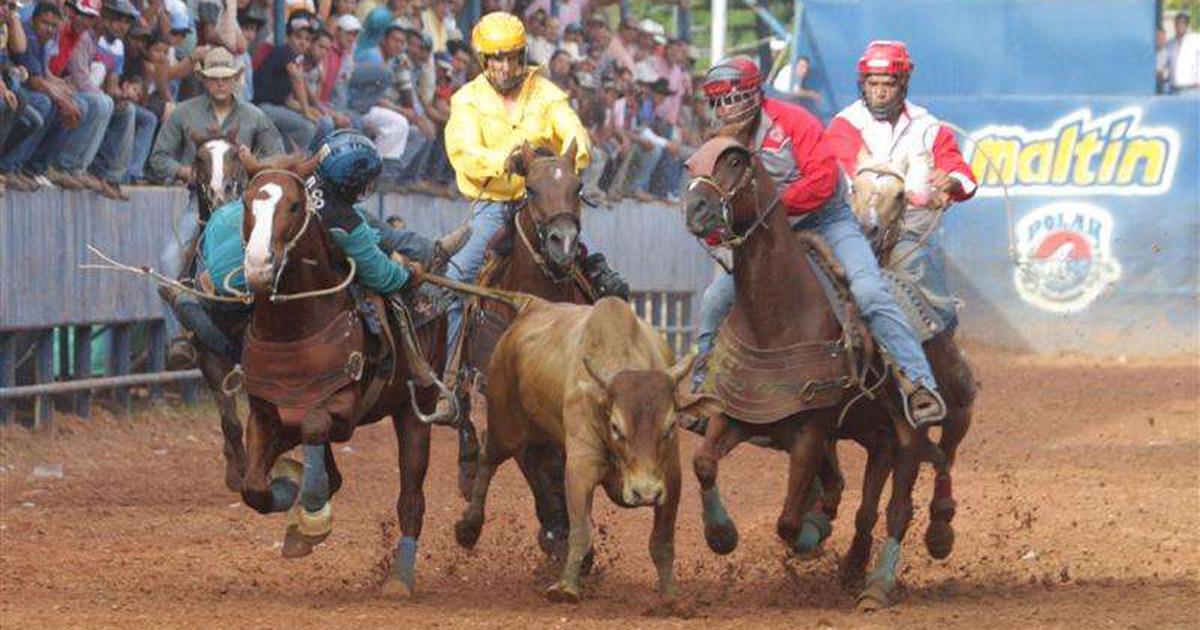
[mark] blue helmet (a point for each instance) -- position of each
(352, 163)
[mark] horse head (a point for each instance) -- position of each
(882, 190)
(552, 194)
(721, 196)
(276, 215)
(219, 174)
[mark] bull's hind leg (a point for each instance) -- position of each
(722, 436)
(958, 383)
(269, 486)
(879, 466)
(412, 437)
(311, 517)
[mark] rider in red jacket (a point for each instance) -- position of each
(792, 147)
(890, 128)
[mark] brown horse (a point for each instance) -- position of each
(219, 178)
(880, 199)
(782, 326)
(543, 263)
(309, 372)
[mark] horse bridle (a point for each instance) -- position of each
(889, 233)
(309, 214)
(729, 237)
(555, 275)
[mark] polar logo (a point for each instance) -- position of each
(1066, 258)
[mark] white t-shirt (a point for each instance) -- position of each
(1185, 66)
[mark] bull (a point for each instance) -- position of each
(599, 383)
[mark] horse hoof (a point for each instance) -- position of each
(467, 532)
(722, 538)
(295, 545)
(878, 596)
(396, 589)
(562, 594)
(939, 539)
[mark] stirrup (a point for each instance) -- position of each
(928, 419)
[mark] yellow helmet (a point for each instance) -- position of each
(501, 34)
(498, 33)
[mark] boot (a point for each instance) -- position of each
(924, 407)
(606, 280)
(447, 246)
(202, 332)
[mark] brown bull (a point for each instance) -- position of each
(598, 382)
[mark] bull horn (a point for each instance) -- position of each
(603, 379)
(680, 370)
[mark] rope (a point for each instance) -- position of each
(155, 276)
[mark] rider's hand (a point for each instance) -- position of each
(245, 154)
(941, 180)
(184, 174)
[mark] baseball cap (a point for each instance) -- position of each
(219, 63)
(122, 7)
(348, 23)
(178, 17)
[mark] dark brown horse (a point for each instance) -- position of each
(310, 373)
(544, 263)
(219, 177)
(783, 349)
(879, 200)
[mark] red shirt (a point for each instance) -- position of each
(794, 141)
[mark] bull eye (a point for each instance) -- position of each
(900, 194)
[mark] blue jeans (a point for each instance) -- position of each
(291, 124)
(837, 225)
(412, 161)
(18, 154)
(649, 160)
(928, 264)
(171, 258)
(145, 123)
(112, 160)
(73, 150)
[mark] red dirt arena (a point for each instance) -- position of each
(1078, 508)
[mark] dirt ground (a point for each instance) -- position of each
(1079, 506)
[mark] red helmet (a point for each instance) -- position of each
(734, 88)
(885, 57)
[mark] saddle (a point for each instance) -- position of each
(764, 385)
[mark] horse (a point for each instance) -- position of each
(219, 178)
(309, 371)
(782, 319)
(881, 192)
(544, 263)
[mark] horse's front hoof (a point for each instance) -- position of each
(394, 588)
(467, 531)
(878, 595)
(939, 539)
(563, 594)
(297, 545)
(722, 537)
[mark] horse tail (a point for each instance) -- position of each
(517, 300)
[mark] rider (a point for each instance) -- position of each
(490, 117)
(345, 174)
(790, 143)
(890, 127)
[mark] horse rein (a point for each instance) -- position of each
(726, 197)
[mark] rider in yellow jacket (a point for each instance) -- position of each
(493, 115)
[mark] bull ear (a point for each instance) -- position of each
(602, 379)
(571, 152)
(680, 370)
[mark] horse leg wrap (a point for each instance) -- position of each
(405, 560)
(816, 528)
(714, 508)
(314, 492)
(283, 494)
(889, 559)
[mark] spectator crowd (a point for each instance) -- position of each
(101, 94)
